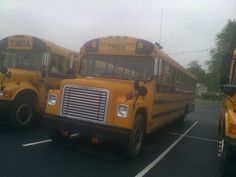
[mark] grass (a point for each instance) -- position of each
(207, 102)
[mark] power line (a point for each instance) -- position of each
(188, 52)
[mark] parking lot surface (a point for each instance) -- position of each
(188, 151)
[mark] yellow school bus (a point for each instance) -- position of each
(227, 120)
(128, 88)
(29, 66)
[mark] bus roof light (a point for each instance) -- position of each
(91, 46)
(144, 47)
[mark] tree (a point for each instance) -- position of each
(195, 68)
(225, 45)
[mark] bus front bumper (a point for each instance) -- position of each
(230, 145)
(115, 134)
(5, 107)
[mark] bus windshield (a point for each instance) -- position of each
(118, 67)
(26, 59)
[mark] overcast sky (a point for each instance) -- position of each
(187, 25)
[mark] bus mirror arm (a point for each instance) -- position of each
(142, 91)
(4, 71)
(4, 77)
(43, 74)
(231, 101)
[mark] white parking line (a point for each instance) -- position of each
(38, 142)
(194, 137)
(158, 159)
(44, 141)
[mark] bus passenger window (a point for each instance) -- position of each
(56, 64)
(166, 74)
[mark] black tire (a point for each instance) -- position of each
(136, 137)
(223, 163)
(56, 135)
(183, 118)
(226, 167)
(23, 112)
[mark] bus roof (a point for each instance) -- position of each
(172, 62)
(28, 42)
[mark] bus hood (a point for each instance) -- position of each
(115, 87)
(18, 75)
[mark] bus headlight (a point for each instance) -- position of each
(52, 99)
(122, 110)
(6, 94)
(232, 129)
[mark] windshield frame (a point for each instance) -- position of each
(115, 57)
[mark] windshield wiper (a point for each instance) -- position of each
(231, 101)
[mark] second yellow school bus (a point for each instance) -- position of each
(128, 88)
(227, 118)
(29, 66)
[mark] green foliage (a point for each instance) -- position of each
(211, 96)
(197, 70)
(225, 45)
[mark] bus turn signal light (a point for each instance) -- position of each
(232, 129)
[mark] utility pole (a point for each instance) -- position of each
(160, 27)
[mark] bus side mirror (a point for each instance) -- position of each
(4, 70)
(43, 74)
(143, 91)
(229, 89)
(224, 71)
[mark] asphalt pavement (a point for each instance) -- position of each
(188, 151)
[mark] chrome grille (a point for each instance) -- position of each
(84, 103)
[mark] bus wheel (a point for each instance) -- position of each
(223, 160)
(23, 113)
(136, 138)
(58, 136)
(183, 118)
(226, 162)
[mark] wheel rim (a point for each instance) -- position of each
(138, 138)
(23, 114)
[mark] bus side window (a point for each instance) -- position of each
(166, 73)
(160, 70)
(60, 64)
(156, 68)
(57, 64)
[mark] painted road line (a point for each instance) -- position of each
(193, 137)
(44, 141)
(158, 159)
(37, 142)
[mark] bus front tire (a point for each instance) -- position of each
(136, 137)
(23, 113)
(184, 117)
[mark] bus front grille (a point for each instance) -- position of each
(84, 103)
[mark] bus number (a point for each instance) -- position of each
(19, 43)
(116, 46)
